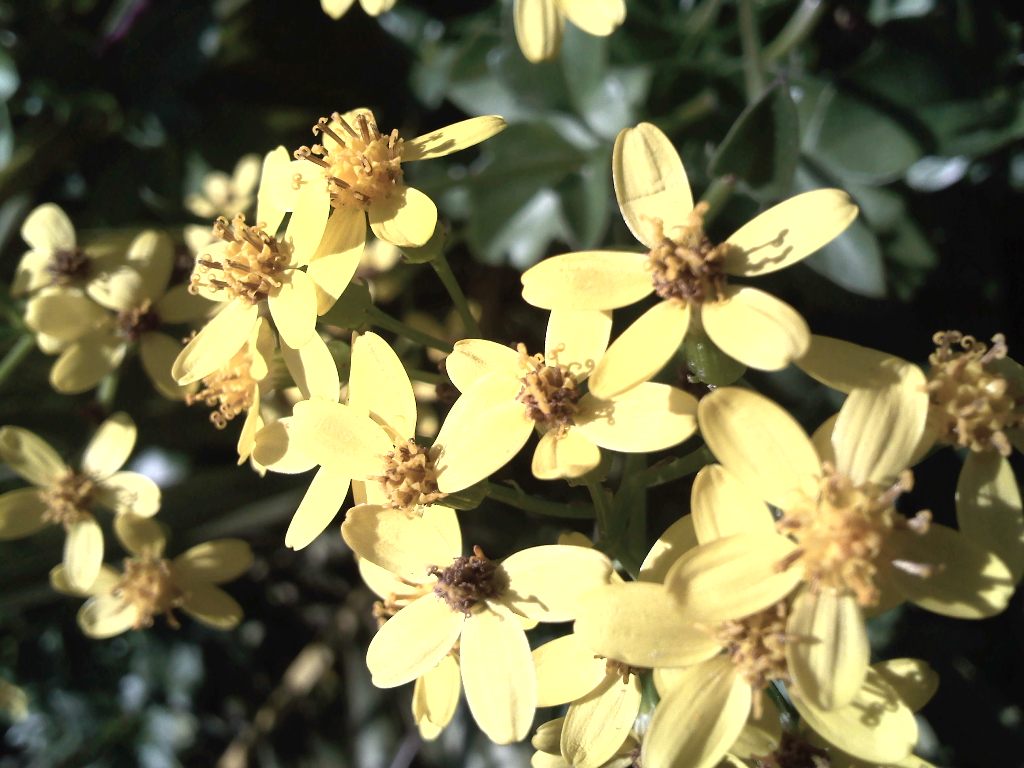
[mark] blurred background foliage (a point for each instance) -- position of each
(115, 109)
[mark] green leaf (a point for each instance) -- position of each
(853, 261)
(349, 311)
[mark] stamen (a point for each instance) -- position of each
(230, 389)
(132, 323)
(252, 265)
(67, 501)
(549, 392)
(757, 646)
(68, 266)
(469, 580)
(686, 266)
(410, 479)
(148, 585)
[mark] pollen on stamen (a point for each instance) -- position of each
(250, 267)
(550, 391)
(148, 585)
(230, 389)
(687, 266)
(68, 499)
(757, 646)
(469, 580)
(410, 478)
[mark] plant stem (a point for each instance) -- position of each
(690, 111)
(444, 271)
(777, 692)
(425, 376)
(750, 39)
(667, 471)
(603, 511)
(379, 317)
(717, 195)
(15, 355)
(516, 497)
(800, 25)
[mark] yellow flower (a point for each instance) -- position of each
(64, 496)
(548, 738)
(540, 23)
(152, 585)
(13, 701)
(338, 8)
(506, 394)
(474, 601)
(362, 171)
(223, 195)
(686, 270)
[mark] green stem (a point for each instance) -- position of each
(515, 497)
(667, 471)
(800, 25)
(15, 355)
(776, 692)
(717, 195)
(444, 271)
(107, 391)
(603, 511)
(425, 376)
(750, 39)
(690, 111)
(380, 318)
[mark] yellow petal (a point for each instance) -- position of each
(597, 724)
(588, 280)
(212, 606)
(547, 736)
(577, 338)
(566, 670)
(293, 309)
(336, 8)
(648, 417)
(829, 661)
(307, 222)
(383, 582)
(30, 456)
(83, 552)
(875, 726)
(843, 366)
(988, 508)
(913, 680)
(435, 697)
(538, 26)
(376, 7)
(110, 446)
(413, 641)
(642, 350)
(878, 429)
(472, 359)
(105, 583)
(545, 582)
(595, 17)
(680, 537)
(340, 437)
(180, 306)
(275, 188)
(723, 506)
(714, 702)
(404, 545)
(756, 328)
(966, 581)
(822, 440)
(759, 443)
(407, 220)
(129, 492)
(216, 343)
(151, 255)
(379, 386)
(567, 455)
(313, 369)
(733, 577)
(497, 673)
(321, 503)
(760, 736)
(276, 451)
(21, 514)
(452, 138)
(48, 228)
(639, 624)
(215, 561)
(650, 182)
(157, 352)
(106, 616)
(31, 274)
(789, 232)
(119, 291)
(482, 432)
(83, 364)
(63, 313)
(140, 536)
(337, 258)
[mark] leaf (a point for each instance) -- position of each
(517, 231)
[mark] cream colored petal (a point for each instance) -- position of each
(106, 616)
(648, 417)
(650, 183)
(383, 582)
(822, 440)
(679, 538)
(48, 228)
(140, 536)
(21, 514)
(318, 508)
(307, 222)
(639, 624)
(789, 232)
(483, 431)
(32, 273)
(413, 641)
(30, 456)
(577, 338)
(723, 506)
(377, 7)
(215, 561)
(875, 726)
(313, 369)
(760, 736)
(83, 552)
(180, 306)
(913, 680)
(151, 254)
(337, 436)
(714, 702)
(275, 189)
(157, 352)
(336, 8)
(539, 27)
(452, 138)
(83, 364)
(436, 696)
(595, 17)
(216, 343)
(378, 385)
(405, 221)
(829, 661)
(756, 328)
(105, 583)
(878, 429)
(129, 492)
(546, 582)
(293, 309)
(966, 582)
(406, 545)
(641, 350)
(566, 670)
(547, 736)
(472, 359)
(276, 451)
(337, 258)
(759, 443)
(110, 446)
(212, 606)
(597, 724)
(65, 314)
(591, 280)
(118, 291)
(247, 435)
(733, 577)
(567, 455)
(988, 508)
(844, 366)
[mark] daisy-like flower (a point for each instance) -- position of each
(471, 600)
(507, 393)
(338, 8)
(151, 585)
(363, 177)
(64, 496)
(540, 23)
(686, 270)
(224, 195)
(548, 738)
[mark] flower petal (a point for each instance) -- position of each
(276, 451)
(275, 188)
(680, 537)
(413, 641)
(340, 437)
(566, 455)
(756, 328)
(215, 561)
(539, 27)
(110, 446)
(48, 228)
(577, 338)
(588, 280)
(21, 513)
(545, 582)
(723, 506)
(337, 258)
(63, 313)
(336, 8)
(217, 342)
(988, 508)
(595, 17)
(293, 309)
(789, 232)
(566, 670)
(321, 503)
(105, 583)
(313, 369)
(140, 536)
(641, 350)
(844, 366)
(83, 552)
(452, 138)
(379, 386)
(180, 306)
(308, 220)
(436, 696)
(212, 606)
(597, 724)
(106, 616)
(472, 359)
(404, 545)
(913, 680)
(406, 221)
(650, 182)
(84, 363)
(648, 417)
(30, 456)
(157, 352)
(129, 492)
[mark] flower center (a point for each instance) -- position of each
(843, 531)
(363, 167)
(250, 267)
(757, 646)
(620, 669)
(794, 752)
(549, 392)
(68, 265)
(68, 500)
(687, 266)
(229, 389)
(971, 405)
(134, 322)
(147, 584)
(410, 479)
(468, 580)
